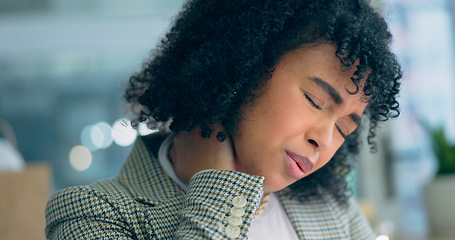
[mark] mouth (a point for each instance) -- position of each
(298, 166)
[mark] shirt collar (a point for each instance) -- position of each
(163, 158)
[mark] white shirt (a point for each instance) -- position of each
(273, 223)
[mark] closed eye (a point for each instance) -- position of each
(311, 101)
(341, 132)
(347, 125)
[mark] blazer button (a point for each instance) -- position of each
(238, 212)
(232, 231)
(239, 201)
(234, 221)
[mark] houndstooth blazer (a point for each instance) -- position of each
(144, 203)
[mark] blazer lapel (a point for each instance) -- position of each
(312, 218)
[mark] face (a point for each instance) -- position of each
(300, 118)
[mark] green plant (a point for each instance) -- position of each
(444, 151)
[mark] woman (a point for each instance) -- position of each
(264, 100)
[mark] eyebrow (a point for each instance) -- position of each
(335, 95)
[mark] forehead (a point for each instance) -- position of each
(321, 60)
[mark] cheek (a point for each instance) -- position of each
(324, 158)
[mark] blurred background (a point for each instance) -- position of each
(64, 65)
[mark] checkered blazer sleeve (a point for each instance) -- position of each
(210, 208)
(100, 212)
(84, 213)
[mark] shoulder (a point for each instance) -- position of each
(94, 197)
(102, 205)
(75, 201)
(141, 195)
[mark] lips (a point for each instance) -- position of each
(298, 165)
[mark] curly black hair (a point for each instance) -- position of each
(219, 52)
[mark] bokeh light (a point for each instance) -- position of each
(382, 237)
(144, 130)
(123, 133)
(80, 158)
(86, 139)
(97, 136)
(101, 135)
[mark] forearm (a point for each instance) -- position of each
(211, 197)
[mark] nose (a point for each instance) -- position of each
(320, 137)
